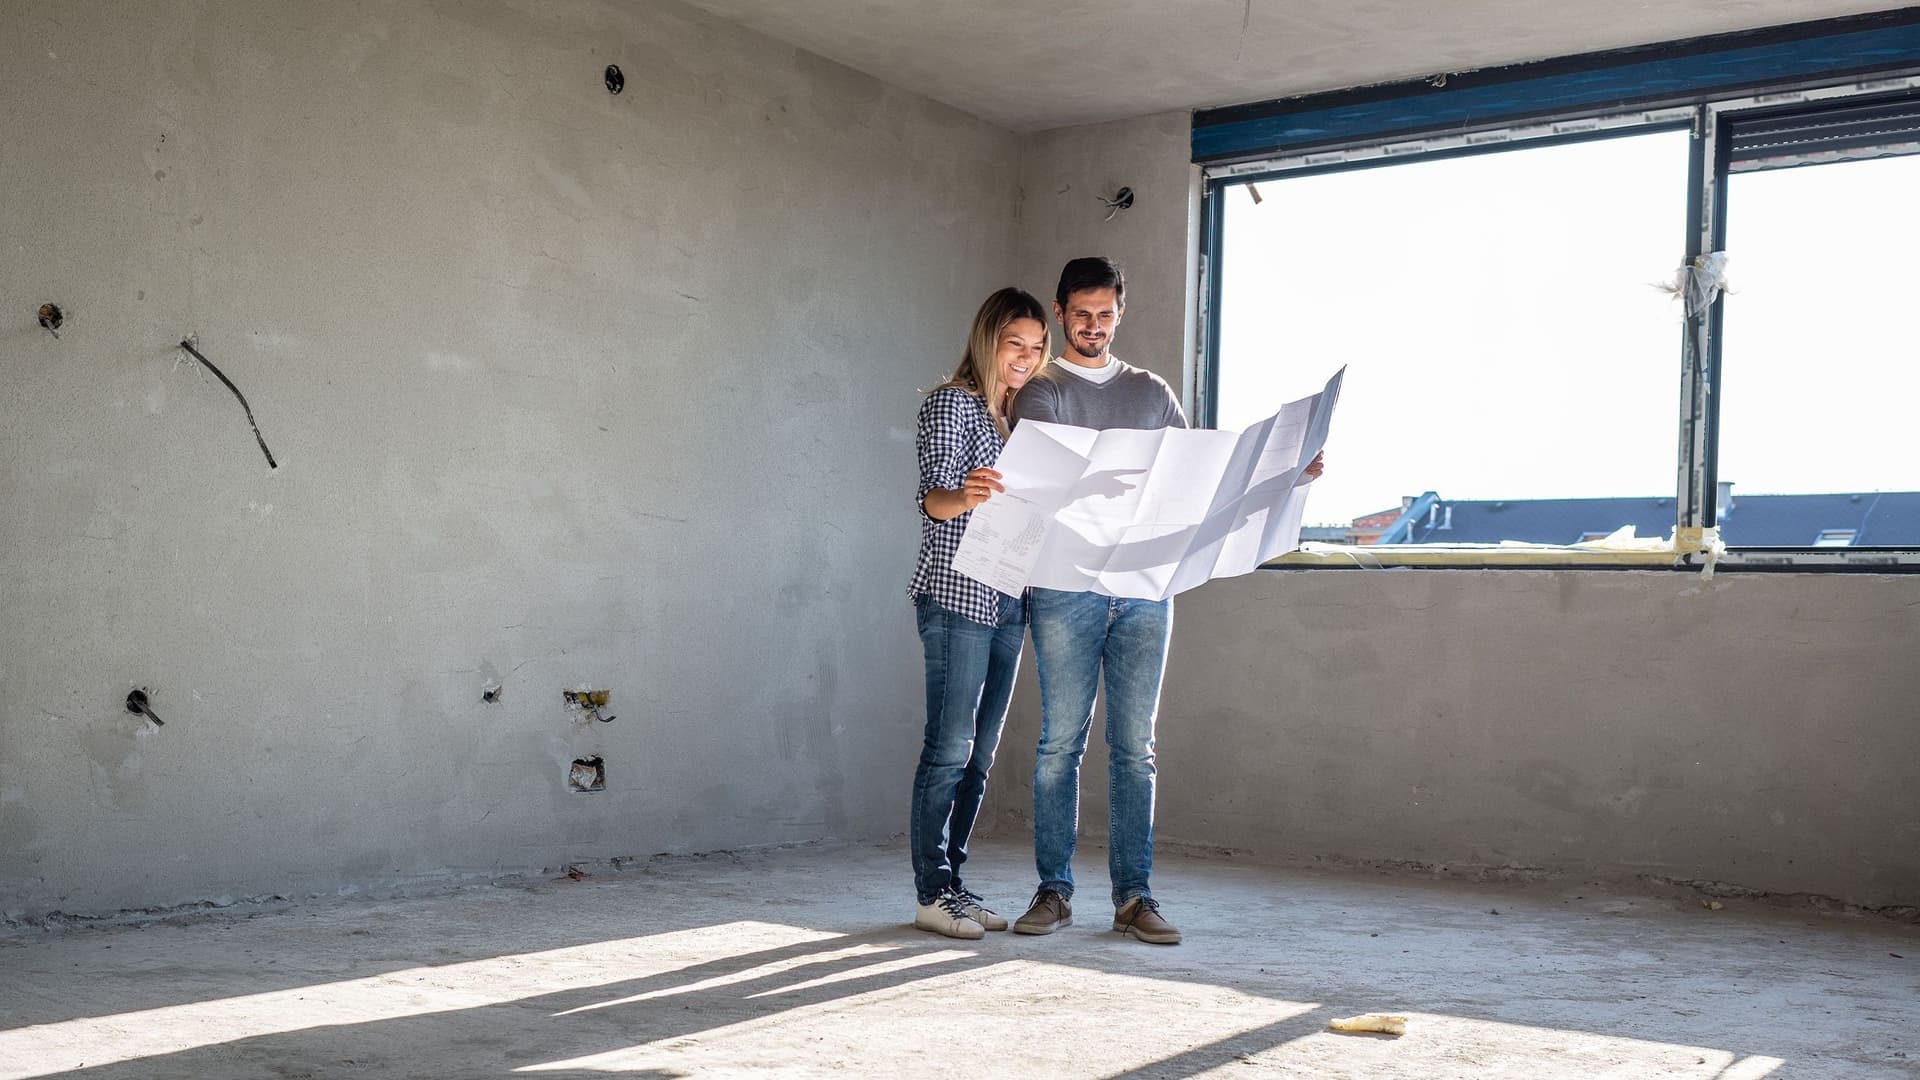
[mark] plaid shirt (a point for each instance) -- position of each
(956, 436)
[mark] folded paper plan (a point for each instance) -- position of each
(1145, 514)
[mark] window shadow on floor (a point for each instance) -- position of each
(496, 1039)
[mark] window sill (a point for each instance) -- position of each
(1644, 554)
(1471, 556)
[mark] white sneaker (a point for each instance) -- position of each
(976, 908)
(947, 915)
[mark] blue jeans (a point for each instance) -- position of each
(1077, 635)
(970, 671)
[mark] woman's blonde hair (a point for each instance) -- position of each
(977, 373)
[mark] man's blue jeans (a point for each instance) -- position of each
(1077, 635)
(970, 671)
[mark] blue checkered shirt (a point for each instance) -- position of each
(956, 436)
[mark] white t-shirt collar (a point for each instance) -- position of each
(1093, 375)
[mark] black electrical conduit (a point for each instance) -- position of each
(187, 344)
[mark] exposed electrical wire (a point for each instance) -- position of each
(137, 705)
(187, 344)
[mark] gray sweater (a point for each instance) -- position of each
(1133, 398)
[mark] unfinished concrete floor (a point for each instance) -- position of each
(801, 962)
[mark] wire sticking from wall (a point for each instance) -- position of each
(187, 344)
(137, 705)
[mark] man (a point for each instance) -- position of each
(1078, 636)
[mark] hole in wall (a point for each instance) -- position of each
(616, 80)
(588, 774)
(137, 705)
(51, 317)
(589, 702)
(491, 692)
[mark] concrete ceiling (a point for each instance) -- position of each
(1029, 65)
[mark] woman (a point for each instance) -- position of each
(971, 633)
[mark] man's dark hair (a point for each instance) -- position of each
(1093, 272)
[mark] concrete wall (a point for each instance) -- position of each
(1755, 730)
(1065, 174)
(566, 389)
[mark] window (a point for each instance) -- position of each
(1496, 312)
(1820, 367)
(1514, 370)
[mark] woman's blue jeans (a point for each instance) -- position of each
(970, 672)
(1078, 636)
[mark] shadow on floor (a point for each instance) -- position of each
(496, 1039)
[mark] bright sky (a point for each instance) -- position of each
(1504, 339)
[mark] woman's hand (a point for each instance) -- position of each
(944, 504)
(1317, 466)
(979, 486)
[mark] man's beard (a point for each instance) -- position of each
(1090, 353)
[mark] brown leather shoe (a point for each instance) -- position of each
(1049, 912)
(1140, 917)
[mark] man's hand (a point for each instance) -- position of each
(1317, 466)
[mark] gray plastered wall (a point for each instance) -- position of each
(567, 390)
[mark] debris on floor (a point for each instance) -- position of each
(1374, 1023)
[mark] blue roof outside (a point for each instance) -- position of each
(1885, 518)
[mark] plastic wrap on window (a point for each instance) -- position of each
(1699, 281)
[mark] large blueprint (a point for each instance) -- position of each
(1144, 514)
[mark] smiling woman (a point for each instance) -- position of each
(971, 633)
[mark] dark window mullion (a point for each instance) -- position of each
(1699, 361)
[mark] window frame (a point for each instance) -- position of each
(1710, 118)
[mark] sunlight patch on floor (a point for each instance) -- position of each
(1053, 1019)
(1049, 1019)
(119, 1037)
